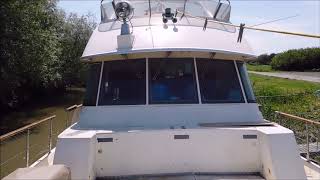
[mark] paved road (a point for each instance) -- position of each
(305, 76)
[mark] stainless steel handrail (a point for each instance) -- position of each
(27, 129)
(71, 112)
(308, 125)
(20, 130)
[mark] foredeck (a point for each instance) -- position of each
(189, 177)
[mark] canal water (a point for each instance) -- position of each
(13, 150)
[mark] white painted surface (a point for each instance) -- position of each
(312, 169)
(157, 152)
(273, 153)
(125, 41)
(75, 149)
(54, 172)
(159, 38)
(123, 118)
(279, 154)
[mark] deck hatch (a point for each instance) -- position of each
(181, 136)
(105, 140)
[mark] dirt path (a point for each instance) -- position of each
(305, 76)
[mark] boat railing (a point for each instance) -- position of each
(73, 114)
(307, 133)
(24, 146)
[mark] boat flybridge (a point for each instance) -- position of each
(168, 96)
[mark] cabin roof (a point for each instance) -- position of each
(179, 40)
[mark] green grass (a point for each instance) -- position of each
(267, 86)
(289, 96)
(259, 68)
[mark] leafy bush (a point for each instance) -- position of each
(263, 59)
(259, 68)
(297, 60)
(40, 50)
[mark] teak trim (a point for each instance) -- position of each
(17, 131)
(297, 118)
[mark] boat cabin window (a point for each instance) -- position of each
(123, 83)
(172, 81)
(246, 82)
(219, 82)
(92, 84)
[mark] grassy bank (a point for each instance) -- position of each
(267, 86)
(292, 96)
(259, 68)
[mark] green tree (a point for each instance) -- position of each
(265, 59)
(29, 49)
(297, 60)
(40, 49)
(76, 32)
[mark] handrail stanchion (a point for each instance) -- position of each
(68, 118)
(308, 151)
(318, 138)
(277, 117)
(70, 112)
(309, 133)
(28, 131)
(27, 147)
(50, 135)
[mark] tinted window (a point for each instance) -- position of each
(246, 82)
(123, 83)
(92, 84)
(218, 81)
(172, 81)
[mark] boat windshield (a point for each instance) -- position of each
(188, 12)
(168, 81)
(211, 9)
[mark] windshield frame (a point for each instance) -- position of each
(198, 95)
(218, 10)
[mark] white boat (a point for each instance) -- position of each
(169, 97)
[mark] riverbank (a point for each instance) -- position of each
(44, 107)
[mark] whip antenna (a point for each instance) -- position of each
(280, 19)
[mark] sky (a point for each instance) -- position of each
(251, 12)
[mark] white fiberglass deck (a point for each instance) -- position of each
(190, 177)
(312, 171)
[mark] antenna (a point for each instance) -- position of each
(252, 28)
(280, 19)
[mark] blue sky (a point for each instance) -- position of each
(251, 12)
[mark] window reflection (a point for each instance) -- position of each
(172, 81)
(246, 82)
(92, 84)
(123, 83)
(218, 81)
